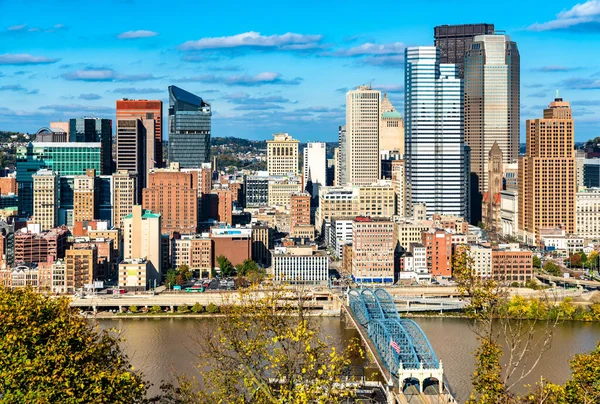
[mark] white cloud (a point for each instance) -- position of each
(24, 59)
(394, 48)
(290, 41)
(245, 80)
(19, 27)
(584, 16)
(105, 74)
(137, 34)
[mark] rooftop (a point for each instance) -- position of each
(394, 114)
(146, 214)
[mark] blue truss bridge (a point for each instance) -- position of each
(400, 346)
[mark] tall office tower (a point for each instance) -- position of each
(491, 198)
(454, 40)
(150, 112)
(547, 173)
(391, 128)
(491, 106)
(340, 162)
(282, 155)
(45, 198)
(315, 166)
(173, 194)
(89, 130)
(142, 237)
(189, 128)
(400, 187)
(435, 149)
(362, 136)
(299, 211)
(123, 196)
(131, 154)
(85, 192)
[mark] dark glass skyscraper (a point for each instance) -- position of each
(454, 40)
(189, 128)
(91, 130)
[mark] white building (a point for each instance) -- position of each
(436, 159)
(362, 136)
(482, 260)
(297, 265)
(315, 165)
(588, 213)
(509, 213)
(340, 234)
(414, 264)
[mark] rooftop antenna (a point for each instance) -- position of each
(557, 93)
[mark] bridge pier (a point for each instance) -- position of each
(435, 376)
(172, 309)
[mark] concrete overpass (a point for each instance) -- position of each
(559, 280)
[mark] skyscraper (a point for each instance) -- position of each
(436, 154)
(547, 173)
(89, 130)
(123, 196)
(45, 198)
(131, 152)
(363, 113)
(491, 105)
(282, 155)
(151, 113)
(189, 128)
(454, 40)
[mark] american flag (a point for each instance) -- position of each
(395, 345)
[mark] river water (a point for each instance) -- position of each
(161, 348)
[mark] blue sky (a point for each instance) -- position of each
(271, 66)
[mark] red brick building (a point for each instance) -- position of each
(438, 252)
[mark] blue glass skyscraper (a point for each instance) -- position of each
(189, 128)
(436, 154)
(90, 130)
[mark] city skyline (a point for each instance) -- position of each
(264, 73)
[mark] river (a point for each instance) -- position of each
(161, 348)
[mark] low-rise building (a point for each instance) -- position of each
(413, 265)
(511, 264)
(299, 265)
(509, 213)
(373, 250)
(32, 246)
(588, 213)
(193, 250)
(233, 243)
(137, 275)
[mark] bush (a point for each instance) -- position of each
(212, 308)
(532, 284)
(182, 309)
(197, 308)
(133, 308)
(155, 309)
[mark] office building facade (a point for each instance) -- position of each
(189, 128)
(150, 112)
(282, 155)
(454, 40)
(90, 130)
(436, 154)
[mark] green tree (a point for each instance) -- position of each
(155, 309)
(53, 355)
(212, 308)
(133, 308)
(227, 269)
(197, 308)
(183, 308)
(575, 261)
(261, 339)
(537, 262)
(552, 269)
(171, 278)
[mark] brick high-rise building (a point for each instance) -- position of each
(150, 112)
(40, 247)
(220, 205)
(81, 264)
(372, 250)
(173, 194)
(547, 174)
(438, 248)
(299, 211)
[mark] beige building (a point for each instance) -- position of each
(141, 238)
(547, 173)
(193, 250)
(123, 196)
(136, 275)
(400, 188)
(373, 250)
(84, 197)
(375, 200)
(391, 127)
(81, 264)
(282, 155)
(362, 136)
(409, 232)
(588, 213)
(45, 199)
(262, 243)
(280, 191)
